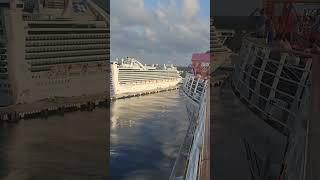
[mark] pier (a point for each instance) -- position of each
(62, 105)
(52, 106)
(143, 93)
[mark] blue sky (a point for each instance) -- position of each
(159, 31)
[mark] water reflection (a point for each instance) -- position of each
(146, 133)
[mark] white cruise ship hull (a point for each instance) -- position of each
(146, 86)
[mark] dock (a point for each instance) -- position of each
(143, 93)
(52, 106)
(62, 105)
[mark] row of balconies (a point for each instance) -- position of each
(53, 82)
(65, 54)
(64, 61)
(69, 32)
(82, 58)
(66, 48)
(65, 37)
(66, 42)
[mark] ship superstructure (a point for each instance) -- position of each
(219, 51)
(129, 76)
(52, 48)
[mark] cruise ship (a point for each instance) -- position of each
(130, 76)
(52, 48)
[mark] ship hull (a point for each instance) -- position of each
(146, 86)
(132, 80)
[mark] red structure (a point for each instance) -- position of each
(200, 64)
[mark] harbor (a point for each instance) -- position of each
(60, 106)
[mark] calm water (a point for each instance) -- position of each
(66, 147)
(146, 133)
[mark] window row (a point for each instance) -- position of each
(67, 42)
(66, 48)
(65, 61)
(62, 55)
(65, 37)
(53, 82)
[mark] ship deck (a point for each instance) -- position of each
(231, 123)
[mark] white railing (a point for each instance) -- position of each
(276, 83)
(195, 168)
(195, 148)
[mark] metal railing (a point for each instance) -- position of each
(281, 98)
(276, 83)
(195, 150)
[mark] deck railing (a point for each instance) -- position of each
(194, 159)
(276, 83)
(273, 80)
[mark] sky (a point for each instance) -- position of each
(159, 31)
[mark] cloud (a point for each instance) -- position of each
(159, 32)
(130, 12)
(191, 8)
(151, 35)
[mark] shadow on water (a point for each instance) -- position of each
(5, 138)
(66, 147)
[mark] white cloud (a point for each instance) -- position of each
(129, 11)
(164, 33)
(191, 8)
(151, 35)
